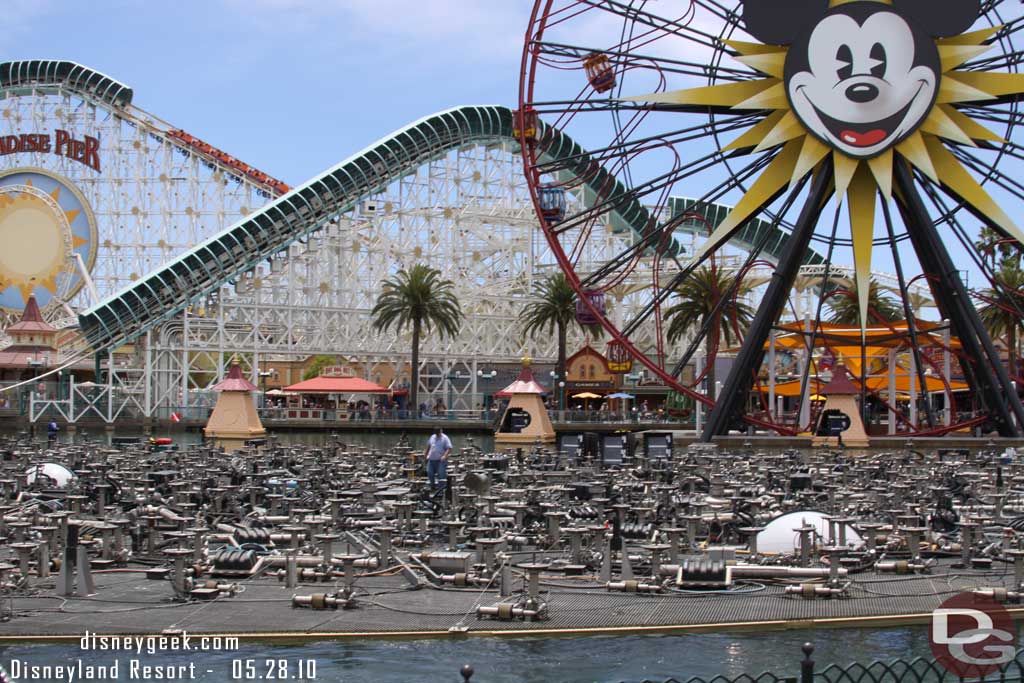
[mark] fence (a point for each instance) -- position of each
(920, 670)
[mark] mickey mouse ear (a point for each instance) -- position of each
(780, 22)
(941, 18)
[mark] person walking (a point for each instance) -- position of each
(436, 453)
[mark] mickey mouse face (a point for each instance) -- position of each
(864, 78)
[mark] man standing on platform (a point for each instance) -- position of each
(438, 448)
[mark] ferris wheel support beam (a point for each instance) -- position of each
(991, 381)
(748, 362)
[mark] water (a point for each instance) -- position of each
(519, 660)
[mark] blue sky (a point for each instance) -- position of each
(295, 86)
(290, 86)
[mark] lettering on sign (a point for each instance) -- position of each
(62, 143)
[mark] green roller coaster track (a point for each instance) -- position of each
(167, 291)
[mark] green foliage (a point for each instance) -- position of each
(699, 295)
(420, 299)
(317, 366)
(845, 307)
(697, 298)
(999, 312)
(553, 309)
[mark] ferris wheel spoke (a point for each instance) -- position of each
(634, 145)
(681, 30)
(666, 180)
(1000, 179)
(645, 61)
(908, 314)
(753, 255)
(1012, 297)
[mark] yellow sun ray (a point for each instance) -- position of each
(951, 90)
(969, 126)
(789, 127)
(55, 195)
(811, 154)
(994, 84)
(953, 56)
(845, 168)
(914, 150)
(881, 169)
(745, 48)
(72, 215)
(770, 64)
(50, 284)
(755, 133)
(939, 124)
(973, 38)
(77, 241)
(773, 97)
(959, 180)
(774, 178)
(861, 204)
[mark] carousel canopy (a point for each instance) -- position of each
(337, 385)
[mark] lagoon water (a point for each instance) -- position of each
(522, 660)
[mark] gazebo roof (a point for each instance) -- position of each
(524, 384)
(234, 381)
(31, 319)
(841, 385)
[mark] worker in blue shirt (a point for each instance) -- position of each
(438, 448)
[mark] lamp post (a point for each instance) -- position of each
(263, 375)
(35, 364)
(488, 376)
(452, 376)
(559, 381)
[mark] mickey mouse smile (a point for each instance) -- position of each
(865, 135)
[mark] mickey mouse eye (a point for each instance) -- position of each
(845, 57)
(879, 62)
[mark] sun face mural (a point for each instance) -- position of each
(44, 222)
(862, 85)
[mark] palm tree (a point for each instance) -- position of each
(998, 313)
(845, 307)
(698, 296)
(418, 297)
(553, 309)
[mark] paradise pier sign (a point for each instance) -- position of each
(61, 143)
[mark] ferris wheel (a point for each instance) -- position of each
(814, 133)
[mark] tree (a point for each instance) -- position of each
(845, 306)
(317, 365)
(698, 296)
(553, 309)
(999, 314)
(418, 298)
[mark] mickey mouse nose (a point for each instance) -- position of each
(862, 93)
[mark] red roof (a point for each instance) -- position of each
(840, 384)
(337, 385)
(524, 384)
(234, 381)
(31, 319)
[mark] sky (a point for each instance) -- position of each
(293, 87)
(289, 86)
